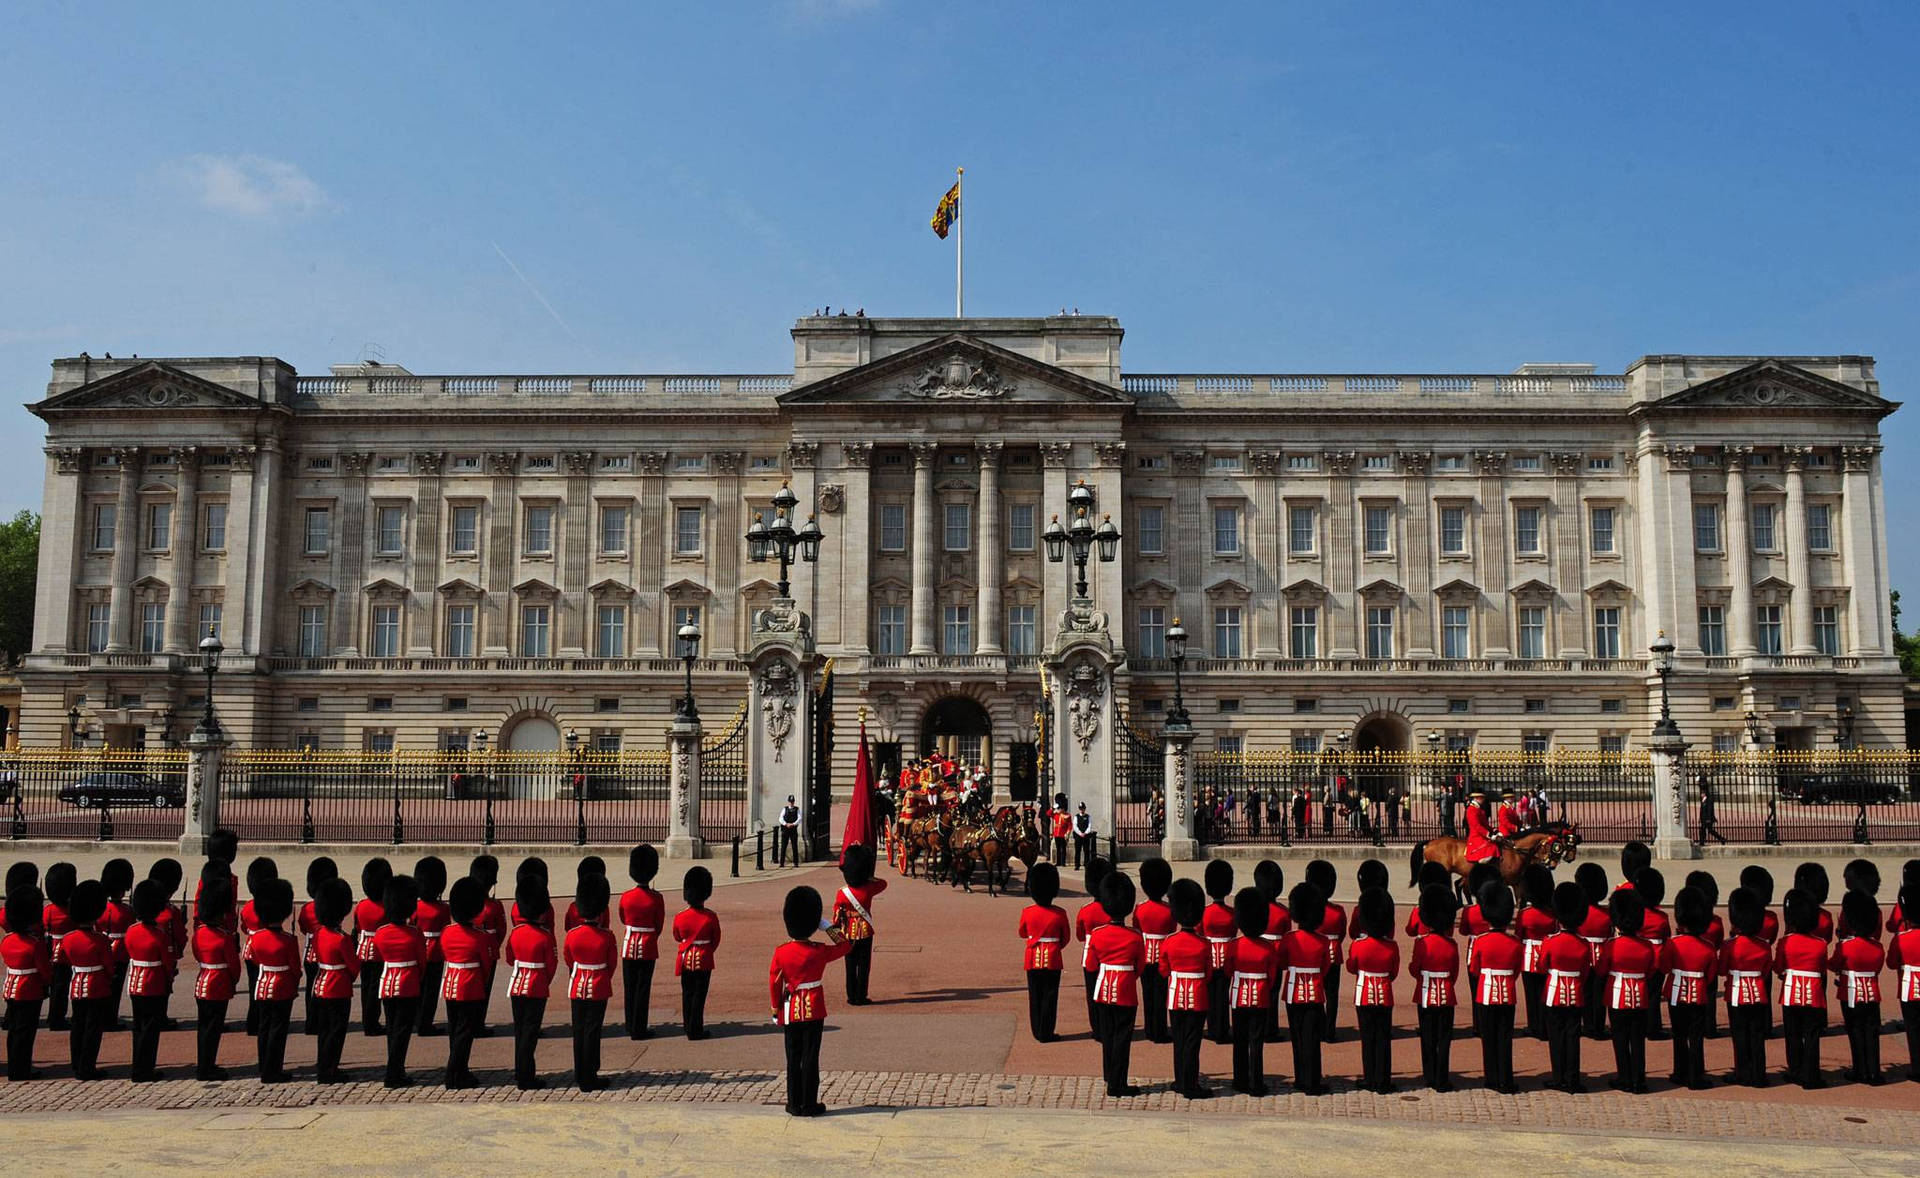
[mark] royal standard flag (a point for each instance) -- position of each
(947, 213)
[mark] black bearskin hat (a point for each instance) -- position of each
(1799, 912)
(334, 902)
(1690, 911)
(466, 900)
(1250, 912)
(1745, 912)
(274, 903)
(591, 897)
(1629, 912)
(696, 886)
(1570, 906)
(1188, 902)
(643, 863)
(1496, 904)
(1043, 883)
(1116, 896)
(1156, 874)
(1321, 874)
(1269, 879)
(1437, 909)
(800, 913)
(1219, 877)
(1861, 913)
(1376, 912)
(1309, 906)
(1759, 881)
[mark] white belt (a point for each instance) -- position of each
(1802, 973)
(116, 936)
(390, 965)
(1741, 975)
(145, 964)
(463, 965)
(1046, 940)
(580, 969)
(1640, 977)
(1907, 973)
(325, 967)
(1687, 973)
(642, 930)
(285, 968)
(813, 985)
(1239, 976)
(1106, 968)
(1427, 975)
(1155, 936)
(1219, 940)
(578, 966)
(21, 973)
(1180, 975)
(1565, 973)
(431, 936)
(1856, 979)
(1594, 940)
(88, 968)
(1367, 973)
(697, 944)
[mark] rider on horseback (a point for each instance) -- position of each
(1482, 843)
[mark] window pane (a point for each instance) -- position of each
(209, 622)
(313, 631)
(153, 627)
(686, 531)
(104, 519)
(389, 526)
(1767, 629)
(1379, 524)
(1526, 529)
(891, 632)
(957, 631)
(893, 527)
(319, 529)
(1453, 632)
(959, 529)
(1020, 631)
(1763, 526)
(1533, 632)
(1713, 630)
(539, 529)
(1706, 527)
(1819, 535)
(1226, 632)
(534, 621)
(1226, 530)
(466, 529)
(1379, 632)
(460, 631)
(214, 537)
(613, 529)
(159, 525)
(1304, 631)
(1153, 632)
(1602, 529)
(386, 632)
(1453, 529)
(1300, 529)
(1826, 629)
(610, 641)
(1606, 633)
(1152, 521)
(1020, 527)
(99, 624)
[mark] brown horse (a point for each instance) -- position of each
(925, 835)
(1549, 846)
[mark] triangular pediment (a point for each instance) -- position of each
(459, 587)
(311, 588)
(758, 585)
(1773, 585)
(1381, 588)
(385, 588)
(1774, 385)
(1458, 589)
(535, 587)
(1609, 588)
(1154, 585)
(956, 370)
(685, 587)
(1534, 589)
(150, 385)
(148, 584)
(1227, 587)
(609, 587)
(1304, 588)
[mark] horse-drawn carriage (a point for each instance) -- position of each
(953, 841)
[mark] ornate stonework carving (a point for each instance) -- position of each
(429, 462)
(682, 775)
(781, 616)
(1414, 463)
(356, 462)
(1492, 463)
(503, 462)
(129, 459)
(161, 395)
(1858, 459)
(1056, 455)
(779, 690)
(924, 452)
(651, 462)
(989, 451)
(858, 455)
(1189, 462)
(186, 458)
(1110, 453)
(1265, 462)
(957, 379)
(242, 457)
(579, 462)
(1339, 463)
(833, 497)
(1566, 464)
(67, 458)
(1176, 797)
(1679, 457)
(1086, 688)
(729, 461)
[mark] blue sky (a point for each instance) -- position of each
(1265, 187)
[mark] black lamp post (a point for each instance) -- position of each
(485, 782)
(574, 757)
(1662, 649)
(780, 538)
(210, 649)
(689, 636)
(1177, 652)
(168, 720)
(1081, 535)
(76, 731)
(1753, 728)
(1844, 717)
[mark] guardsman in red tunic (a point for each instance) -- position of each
(336, 965)
(277, 953)
(643, 913)
(307, 922)
(1374, 962)
(399, 950)
(1904, 916)
(1800, 961)
(1903, 959)
(1303, 957)
(89, 955)
(1746, 962)
(853, 912)
(796, 991)
(1218, 926)
(1061, 827)
(485, 871)
(1119, 954)
(168, 874)
(261, 870)
(1091, 916)
(1271, 882)
(1596, 929)
(1861, 875)
(590, 954)
(1155, 921)
(531, 961)
(150, 963)
(1493, 966)
(1333, 926)
(1811, 879)
(466, 951)
(1043, 926)
(28, 960)
(697, 932)
(1533, 925)
(1185, 962)
(1254, 962)
(1688, 962)
(1435, 966)
(368, 915)
(117, 877)
(1627, 966)
(1715, 936)
(62, 878)
(1569, 966)
(1856, 962)
(216, 952)
(1759, 881)
(1658, 929)
(591, 865)
(431, 917)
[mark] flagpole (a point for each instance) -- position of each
(959, 249)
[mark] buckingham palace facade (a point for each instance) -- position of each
(398, 560)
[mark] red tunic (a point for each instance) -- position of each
(1255, 963)
(232, 919)
(90, 955)
(113, 925)
(1374, 963)
(1119, 954)
(1435, 965)
(545, 922)
(530, 955)
(1534, 926)
(643, 913)
(1473, 926)
(277, 954)
(150, 960)
(1045, 930)
(307, 920)
(1823, 924)
(1896, 921)
(1596, 930)
(401, 951)
(590, 954)
(1627, 963)
(1218, 926)
(1279, 921)
(1415, 926)
(1688, 963)
(1856, 963)
(1303, 955)
(174, 920)
(432, 917)
(1186, 961)
(1802, 961)
(853, 908)
(249, 925)
(1769, 926)
(697, 931)
(29, 965)
(1155, 922)
(794, 979)
(367, 915)
(1507, 820)
(467, 951)
(338, 963)
(1494, 965)
(1091, 916)
(1746, 962)
(1333, 926)
(1568, 962)
(1716, 932)
(493, 919)
(1903, 956)
(572, 920)
(1480, 844)
(54, 922)
(218, 953)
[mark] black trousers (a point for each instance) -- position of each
(1596, 1009)
(1376, 1046)
(87, 1020)
(1253, 822)
(528, 1013)
(1043, 1003)
(859, 969)
(149, 1013)
(786, 838)
(589, 1015)
(113, 996)
(1800, 1026)
(330, 1019)
(1749, 1026)
(1629, 1030)
(1495, 1021)
(1091, 976)
(401, 1013)
(1690, 1043)
(1656, 986)
(1085, 846)
(312, 972)
(57, 991)
(23, 1025)
(1188, 1027)
(1863, 1039)
(1153, 1004)
(1330, 982)
(693, 1001)
(637, 975)
(803, 1063)
(463, 1023)
(1565, 1025)
(1436, 1047)
(253, 987)
(1535, 985)
(1219, 1013)
(1910, 1014)
(432, 975)
(1059, 850)
(1306, 1024)
(370, 997)
(271, 1036)
(1250, 1049)
(1113, 1027)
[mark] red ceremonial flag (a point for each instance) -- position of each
(860, 813)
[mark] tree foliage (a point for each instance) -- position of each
(1907, 646)
(19, 568)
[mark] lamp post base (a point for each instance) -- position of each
(1180, 850)
(686, 847)
(1675, 848)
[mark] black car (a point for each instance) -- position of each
(1817, 789)
(100, 791)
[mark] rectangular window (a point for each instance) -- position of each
(1377, 462)
(1526, 530)
(1151, 462)
(1020, 527)
(1534, 743)
(1152, 525)
(1762, 527)
(536, 629)
(893, 527)
(213, 528)
(610, 632)
(378, 740)
(1450, 462)
(1532, 632)
(1020, 630)
(1600, 529)
(319, 531)
(1379, 631)
(153, 627)
(890, 630)
(460, 631)
(1599, 465)
(958, 533)
(956, 636)
(1819, 530)
(1230, 746)
(1152, 629)
(1303, 624)
(1379, 529)
(386, 632)
(1226, 531)
(1726, 742)
(1226, 632)
(1305, 704)
(613, 530)
(1706, 527)
(1606, 632)
(389, 527)
(159, 526)
(1713, 630)
(1766, 628)
(616, 463)
(1535, 707)
(1459, 707)
(1453, 530)
(686, 531)
(464, 537)
(1306, 745)
(209, 621)
(1612, 707)
(105, 518)
(1224, 462)
(1826, 629)
(1300, 530)
(1614, 745)
(539, 534)
(99, 626)
(1302, 462)
(1454, 632)
(1526, 462)
(313, 631)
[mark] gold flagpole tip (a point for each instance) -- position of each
(959, 171)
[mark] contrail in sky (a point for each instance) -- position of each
(534, 291)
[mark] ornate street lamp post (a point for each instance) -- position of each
(1177, 716)
(1081, 535)
(1662, 650)
(210, 650)
(781, 539)
(689, 636)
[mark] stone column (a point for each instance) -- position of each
(1054, 589)
(1416, 621)
(854, 541)
(1106, 580)
(65, 507)
(1080, 665)
(803, 458)
(126, 543)
(650, 616)
(729, 541)
(257, 566)
(1266, 543)
(1189, 540)
(1862, 557)
(1669, 755)
(1338, 625)
(496, 584)
(683, 790)
(924, 564)
(1178, 844)
(1569, 546)
(1493, 557)
(1739, 546)
(423, 603)
(350, 544)
(1799, 559)
(780, 669)
(204, 750)
(185, 541)
(992, 550)
(570, 563)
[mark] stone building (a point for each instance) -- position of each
(398, 560)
